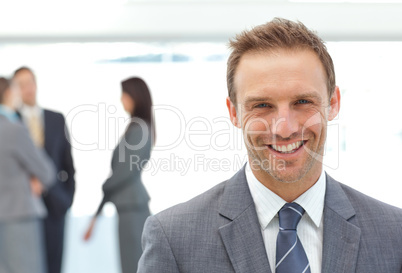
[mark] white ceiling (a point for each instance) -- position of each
(169, 20)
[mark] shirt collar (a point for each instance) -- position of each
(267, 203)
(28, 111)
(9, 113)
(312, 200)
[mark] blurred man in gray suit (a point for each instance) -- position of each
(281, 212)
(25, 171)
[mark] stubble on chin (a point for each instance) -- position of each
(278, 169)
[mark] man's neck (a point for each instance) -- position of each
(288, 191)
(7, 107)
(29, 105)
(29, 110)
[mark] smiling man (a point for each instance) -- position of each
(281, 212)
(282, 98)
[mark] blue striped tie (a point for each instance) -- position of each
(290, 255)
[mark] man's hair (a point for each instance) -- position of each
(21, 69)
(4, 85)
(277, 34)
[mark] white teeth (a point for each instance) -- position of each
(287, 148)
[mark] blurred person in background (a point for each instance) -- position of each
(48, 131)
(124, 188)
(25, 172)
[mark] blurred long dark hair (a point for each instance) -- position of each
(139, 92)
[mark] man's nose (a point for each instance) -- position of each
(285, 123)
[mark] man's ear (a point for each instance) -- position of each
(335, 104)
(232, 113)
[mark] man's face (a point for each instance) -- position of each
(27, 86)
(283, 108)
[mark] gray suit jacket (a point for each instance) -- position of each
(124, 187)
(219, 232)
(19, 161)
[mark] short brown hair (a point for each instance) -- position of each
(277, 34)
(4, 85)
(24, 68)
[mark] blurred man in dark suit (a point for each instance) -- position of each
(47, 129)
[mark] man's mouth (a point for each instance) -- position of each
(289, 148)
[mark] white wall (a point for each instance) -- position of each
(156, 20)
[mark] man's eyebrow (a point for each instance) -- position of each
(256, 99)
(310, 95)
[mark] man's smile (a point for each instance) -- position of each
(287, 148)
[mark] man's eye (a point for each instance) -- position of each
(262, 105)
(303, 101)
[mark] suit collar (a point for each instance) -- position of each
(341, 235)
(28, 111)
(46, 126)
(243, 239)
(336, 199)
(236, 197)
(242, 236)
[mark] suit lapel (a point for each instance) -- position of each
(341, 236)
(242, 236)
(46, 126)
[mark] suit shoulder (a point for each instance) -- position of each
(371, 206)
(136, 129)
(14, 128)
(200, 206)
(15, 134)
(53, 114)
(138, 135)
(380, 223)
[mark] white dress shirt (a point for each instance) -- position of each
(310, 229)
(28, 111)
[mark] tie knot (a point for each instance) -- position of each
(290, 215)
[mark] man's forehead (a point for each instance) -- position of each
(288, 58)
(298, 70)
(276, 52)
(24, 74)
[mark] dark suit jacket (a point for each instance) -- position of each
(218, 231)
(57, 145)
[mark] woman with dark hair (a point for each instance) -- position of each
(124, 188)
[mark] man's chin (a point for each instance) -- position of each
(286, 178)
(287, 175)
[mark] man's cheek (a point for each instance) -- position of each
(314, 123)
(257, 126)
